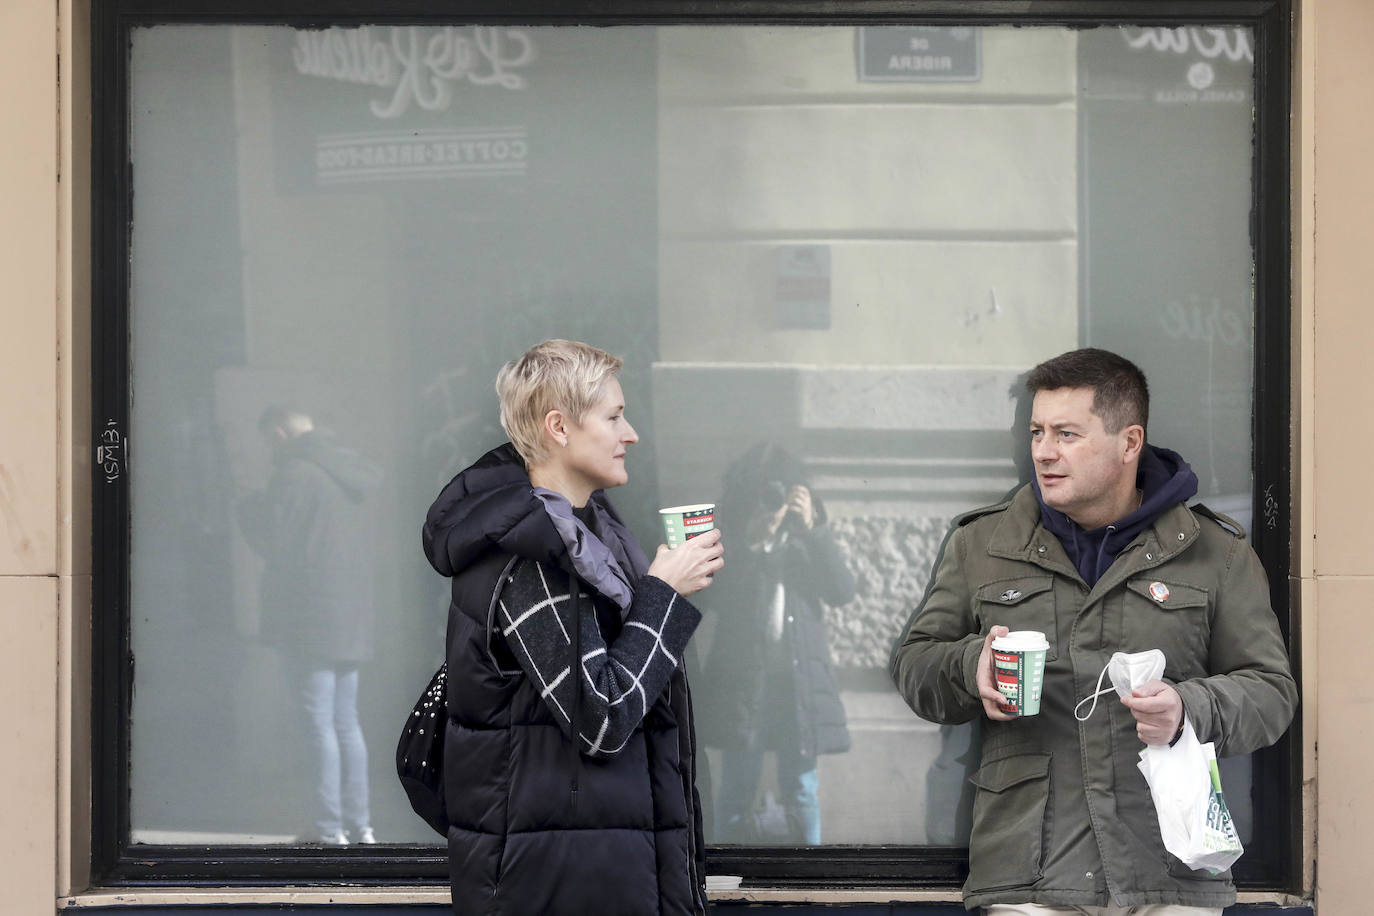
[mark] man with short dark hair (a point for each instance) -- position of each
(1101, 553)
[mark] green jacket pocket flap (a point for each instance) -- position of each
(1168, 595)
(1000, 775)
(1011, 592)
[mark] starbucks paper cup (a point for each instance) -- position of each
(1018, 664)
(682, 523)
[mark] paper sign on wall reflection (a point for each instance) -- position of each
(420, 65)
(803, 286)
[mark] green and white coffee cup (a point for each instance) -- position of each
(682, 523)
(1018, 668)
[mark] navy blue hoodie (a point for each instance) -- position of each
(1163, 478)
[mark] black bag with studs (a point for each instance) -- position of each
(420, 753)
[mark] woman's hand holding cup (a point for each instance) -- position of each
(689, 567)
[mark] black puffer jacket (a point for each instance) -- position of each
(314, 529)
(535, 827)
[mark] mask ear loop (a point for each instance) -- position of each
(1094, 697)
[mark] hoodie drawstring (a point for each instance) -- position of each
(1098, 568)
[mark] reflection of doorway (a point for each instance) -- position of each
(481, 269)
(1166, 264)
(466, 226)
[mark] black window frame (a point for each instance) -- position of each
(1273, 861)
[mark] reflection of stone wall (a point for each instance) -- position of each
(892, 559)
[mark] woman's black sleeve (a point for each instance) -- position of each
(620, 681)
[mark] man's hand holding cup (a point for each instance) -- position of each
(987, 683)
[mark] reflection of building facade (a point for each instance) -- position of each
(921, 307)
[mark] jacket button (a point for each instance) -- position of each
(1090, 874)
(1040, 550)
(1149, 556)
(1180, 535)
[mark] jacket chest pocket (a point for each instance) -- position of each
(1022, 603)
(1172, 617)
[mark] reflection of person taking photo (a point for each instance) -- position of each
(569, 762)
(772, 689)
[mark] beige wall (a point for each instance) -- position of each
(44, 504)
(1338, 555)
(45, 558)
(34, 569)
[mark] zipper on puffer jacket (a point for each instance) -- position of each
(694, 875)
(576, 671)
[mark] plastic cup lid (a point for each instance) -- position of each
(676, 510)
(1021, 641)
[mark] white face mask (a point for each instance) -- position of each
(1127, 670)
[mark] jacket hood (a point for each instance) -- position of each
(1164, 479)
(489, 505)
(356, 475)
(493, 505)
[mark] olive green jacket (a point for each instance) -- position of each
(1061, 813)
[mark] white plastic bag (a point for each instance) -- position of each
(1183, 779)
(1186, 788)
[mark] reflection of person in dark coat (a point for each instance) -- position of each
(312, 528)
(769, 674)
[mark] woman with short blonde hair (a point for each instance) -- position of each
(557, 373)
(563, 642)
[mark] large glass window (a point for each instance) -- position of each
(827, 253)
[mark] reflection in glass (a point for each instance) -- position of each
(848, 240)
(313, 528)
(769, 686)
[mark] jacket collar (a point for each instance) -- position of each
(493, 505)
(1020, 535)
(1163, 478)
